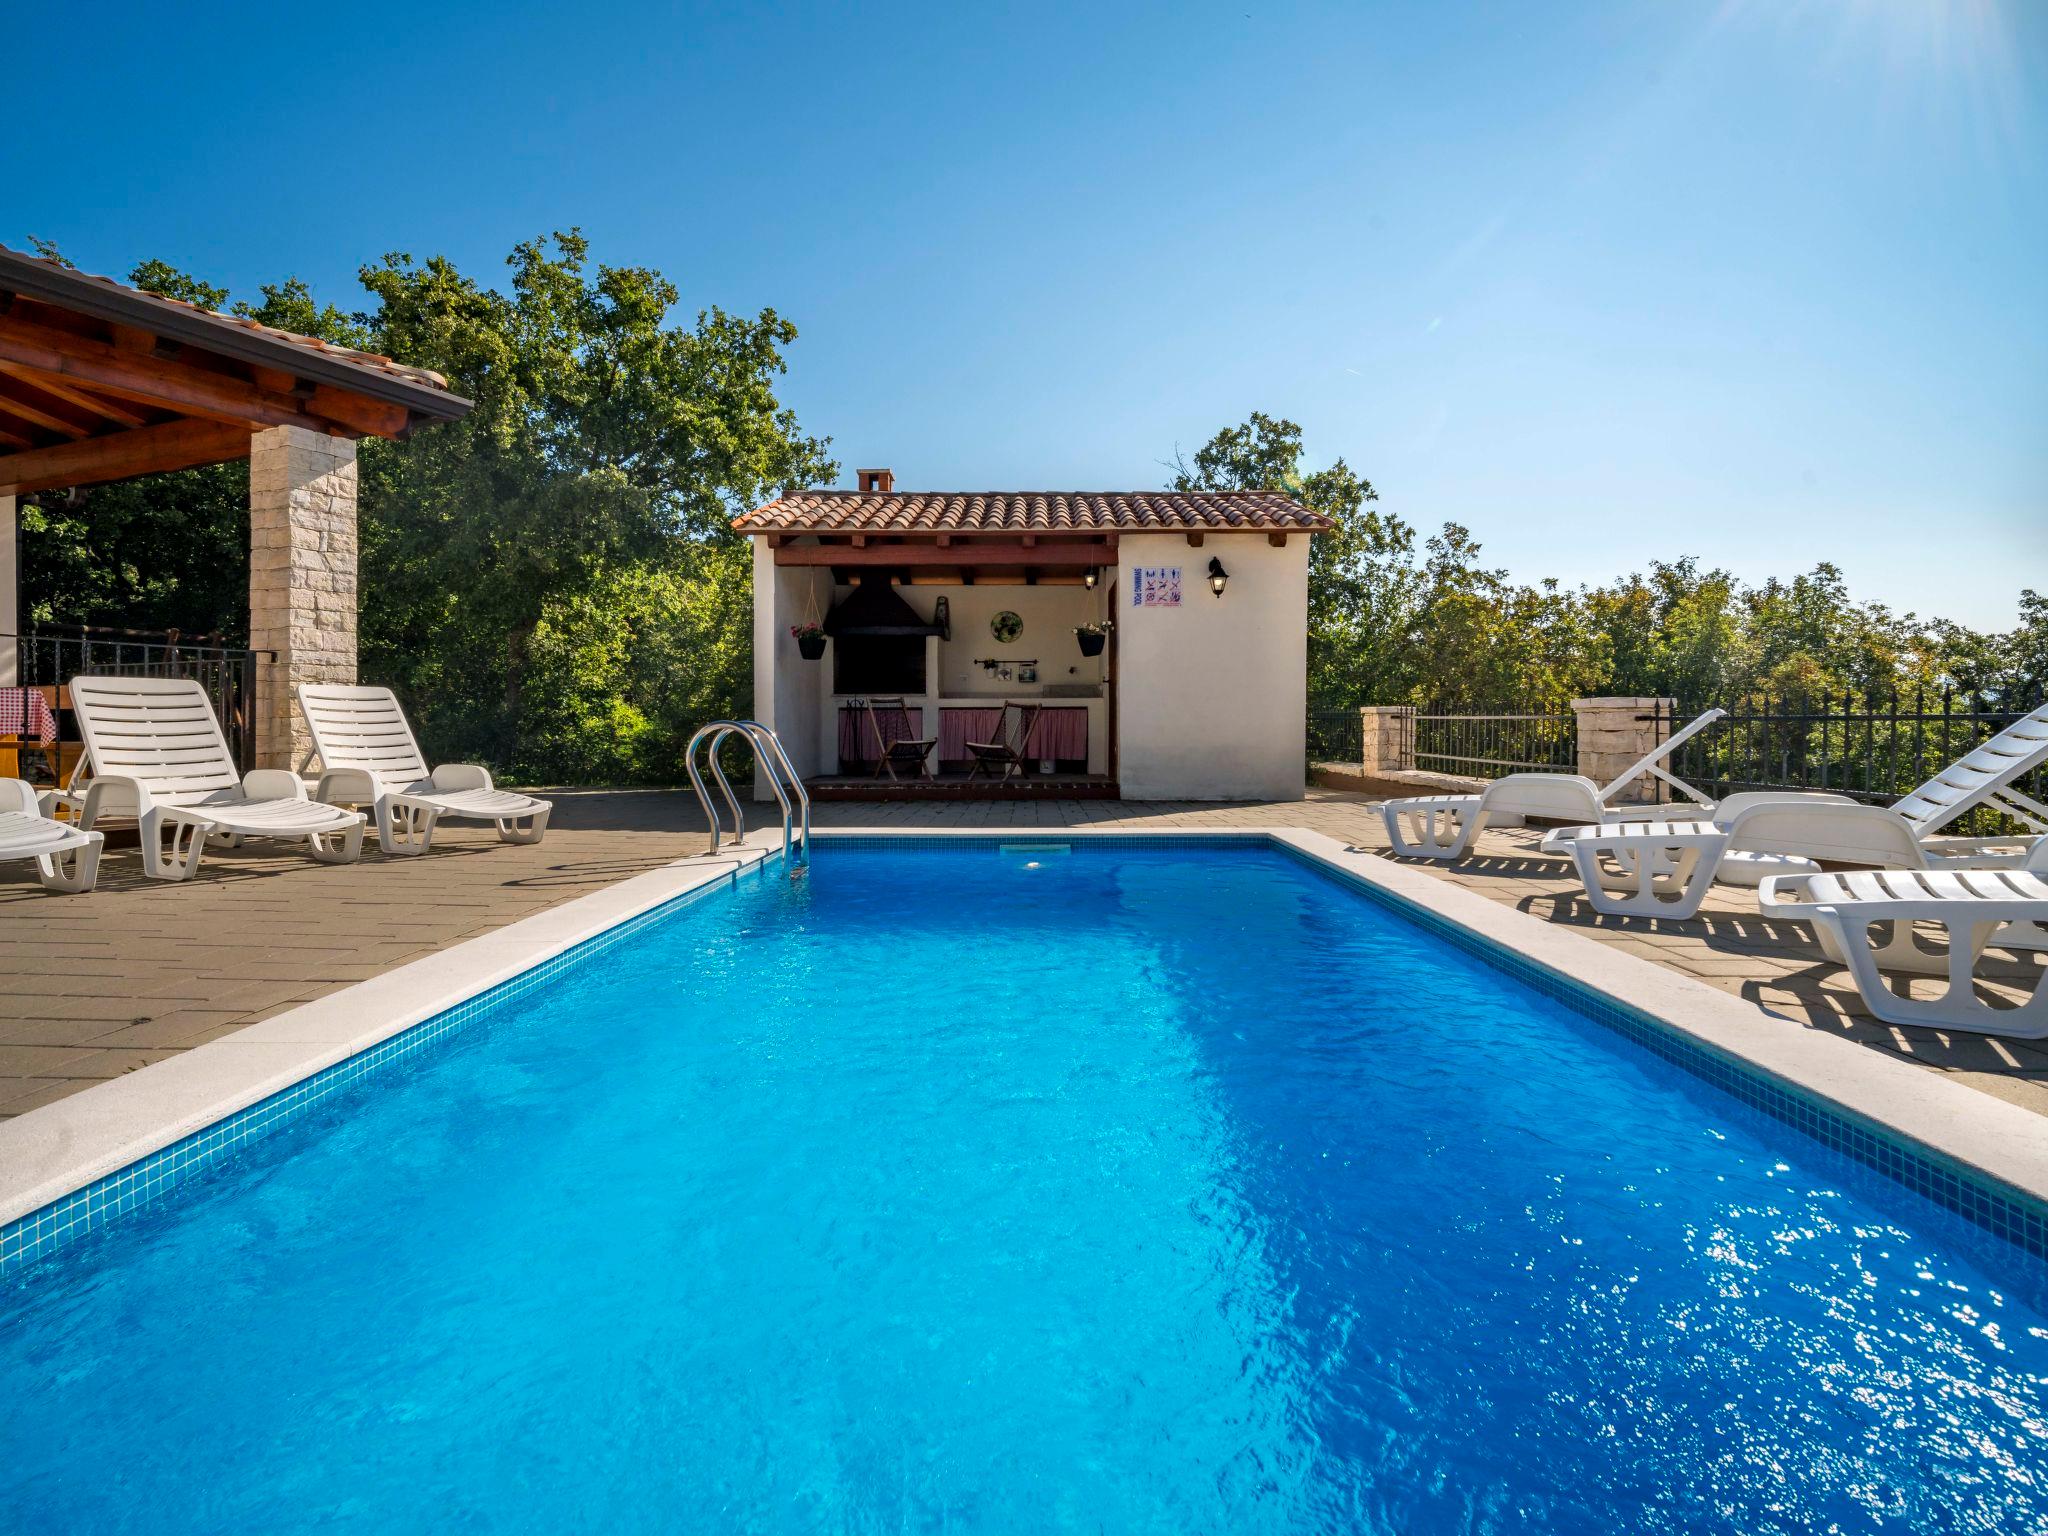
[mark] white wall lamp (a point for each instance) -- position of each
(1089, 577)
(1217, 576)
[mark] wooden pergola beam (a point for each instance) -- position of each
(156, 381)
(116, 456)
(44, 408)
(114, 410)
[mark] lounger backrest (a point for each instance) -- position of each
(1834, 831)
(1553, 796)
(2013, 753)
(358, 727)
(158, 730)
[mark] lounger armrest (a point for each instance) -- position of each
(113, 794)
(1785, 895)
(273, 784)
(348, 786)
(462, 776)
(18, 795)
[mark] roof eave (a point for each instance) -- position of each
(37, 279)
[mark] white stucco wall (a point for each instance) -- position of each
(1049, 614)
(1212, 696)
(788, 691)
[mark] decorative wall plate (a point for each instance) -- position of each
(1006, 626)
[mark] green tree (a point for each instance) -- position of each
(604, 438)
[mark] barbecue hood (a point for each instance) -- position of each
(873, 608)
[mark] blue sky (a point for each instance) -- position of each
(1605, 282)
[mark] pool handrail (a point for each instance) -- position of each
(772, 760)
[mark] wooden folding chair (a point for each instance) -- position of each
(907, 752)
(1005, 755)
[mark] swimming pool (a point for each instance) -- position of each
(1113, 1188)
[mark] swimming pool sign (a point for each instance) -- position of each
(1155, 586)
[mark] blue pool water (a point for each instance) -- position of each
(1140, 1190)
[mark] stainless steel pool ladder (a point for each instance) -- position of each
(769, 758)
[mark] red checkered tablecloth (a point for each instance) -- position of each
(25, 714)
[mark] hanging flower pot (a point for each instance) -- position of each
(810, 641)
(1092, 638)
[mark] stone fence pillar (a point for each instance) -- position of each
(1614, 733)
(1387, 732)
(302, 578)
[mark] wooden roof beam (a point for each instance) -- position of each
(40, 408)
(141, 451)
(114, 410)
(144, 377)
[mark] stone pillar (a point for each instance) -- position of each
(302, 578)
(1388, 734)
(1614, 733)
(10, 591)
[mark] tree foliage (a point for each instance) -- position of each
(1393, 623)
(552, 583)
(607, 445)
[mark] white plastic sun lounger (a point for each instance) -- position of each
(1632, 869)
(1986, 776)
(154, 751)
(1443, 826)
(1969, 906)
(368, 756)
(67, 859)
(1660, 867)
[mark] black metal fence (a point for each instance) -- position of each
(1871, 748)
(49, 657)
(1487, 746)
(1335, 735)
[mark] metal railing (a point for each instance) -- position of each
(773, 761)
(49, 656)
(1871, 748)
(1335, 735)
(1488, 745)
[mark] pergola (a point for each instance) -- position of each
(100, 381)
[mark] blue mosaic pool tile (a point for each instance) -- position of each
(2008, 1214)
(1967, 1192)
(40, 1233)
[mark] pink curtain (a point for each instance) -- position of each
(857, 742)
(957, 727)
(1059, 733)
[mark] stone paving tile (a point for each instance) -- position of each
(91, 987)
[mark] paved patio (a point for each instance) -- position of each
(141, 970)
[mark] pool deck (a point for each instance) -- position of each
(95, 987)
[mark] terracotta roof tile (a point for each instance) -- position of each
(1030, 512)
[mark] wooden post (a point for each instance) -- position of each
(10, 592)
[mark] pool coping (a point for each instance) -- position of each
(52, 1155)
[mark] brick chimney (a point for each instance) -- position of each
(877, 481)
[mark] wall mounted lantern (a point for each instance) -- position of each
(1217, 576)
(1089, 577)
